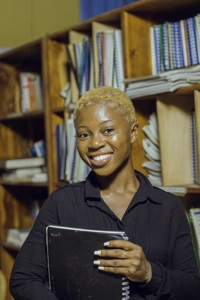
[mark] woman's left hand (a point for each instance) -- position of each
(126, 258)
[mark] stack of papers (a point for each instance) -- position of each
(162, 83)
(152, 150)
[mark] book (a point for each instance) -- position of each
(191, 218)
(24, 174)
(195, 216)
(17, 237)
(192, 41)
(22, 163)
(72, 274)
(31, 92)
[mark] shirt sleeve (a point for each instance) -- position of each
(179, 279)
(29, 277)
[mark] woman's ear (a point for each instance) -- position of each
(134, 131)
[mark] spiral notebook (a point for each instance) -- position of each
(72, 274)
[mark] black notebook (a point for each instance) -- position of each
(72, 274)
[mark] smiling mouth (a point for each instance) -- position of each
(100, 157)
(100, 160)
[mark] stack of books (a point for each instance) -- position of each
(164, 82)
(23, 169)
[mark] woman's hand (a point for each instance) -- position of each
(126, 258)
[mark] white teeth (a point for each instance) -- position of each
(101, 157)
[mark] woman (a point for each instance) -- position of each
(158, 258)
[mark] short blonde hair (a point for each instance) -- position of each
(109, 96)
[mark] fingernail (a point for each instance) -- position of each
(96, 262)
(101, 268)
(106, 244)
(97, 252)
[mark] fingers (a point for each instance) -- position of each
(126, 245)
(114, 253)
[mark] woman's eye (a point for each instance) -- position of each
(109, 130)
(82, 135)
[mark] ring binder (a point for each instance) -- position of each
(72, 274)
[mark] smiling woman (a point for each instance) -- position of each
(157, 259)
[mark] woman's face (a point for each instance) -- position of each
(104, 139)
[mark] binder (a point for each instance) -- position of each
(98, 27)
(75, 38)
(72, 274)
(192, 41)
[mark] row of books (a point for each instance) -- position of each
(94, 61)
(70, 167)
(175, 44)
(21, 92)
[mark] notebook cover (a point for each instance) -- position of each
(72, 274)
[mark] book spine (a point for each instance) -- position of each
(170, 43)
(183, 43)
(153, 52)
(177, 48)
(165, 47)
(192, 41)
(157, 47)
(197, 34)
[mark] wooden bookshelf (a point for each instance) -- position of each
(48, 57)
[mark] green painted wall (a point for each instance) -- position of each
(22, 21)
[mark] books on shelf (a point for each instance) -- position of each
(75, 276)
(23, 174)
(194, 221)
(29, 162)
(164, 82)
(152, 150)
(70, 166)
(40, 177)
(16, 237)
(31, 92)
(175, 44)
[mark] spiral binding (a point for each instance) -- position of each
(125, 288)
(125, 281)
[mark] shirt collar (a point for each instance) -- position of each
(144, 192)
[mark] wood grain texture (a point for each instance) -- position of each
(136, 41)
(175, 139)
(57, 71)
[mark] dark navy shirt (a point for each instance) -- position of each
(155, 220)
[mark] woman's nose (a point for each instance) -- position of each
(96, 141)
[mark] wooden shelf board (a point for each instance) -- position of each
(33, 114)
(19, 183)
(10, 246)
(182, 91)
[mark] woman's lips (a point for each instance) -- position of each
(100, 160)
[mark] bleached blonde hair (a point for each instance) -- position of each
(108, 96)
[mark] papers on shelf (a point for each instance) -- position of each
(16, 237)
(162, 83)
(152, 150)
